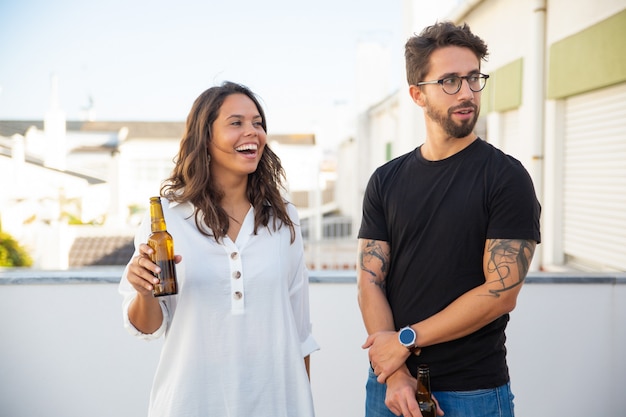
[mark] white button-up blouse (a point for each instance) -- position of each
(238, 329)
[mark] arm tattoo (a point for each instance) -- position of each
(373, 255)
(507, 254)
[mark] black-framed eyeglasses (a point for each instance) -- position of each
(452, 85)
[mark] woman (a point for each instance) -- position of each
(237, 334)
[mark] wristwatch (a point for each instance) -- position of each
(407, 337)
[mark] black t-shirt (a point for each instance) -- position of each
(436, 217)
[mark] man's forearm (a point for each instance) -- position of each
(372, 267)
(506, 265)
(375, 308)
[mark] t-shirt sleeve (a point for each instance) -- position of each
(514, 209)
(373, 222)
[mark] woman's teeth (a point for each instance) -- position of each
(249, 147)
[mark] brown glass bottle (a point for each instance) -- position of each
(163, 245)
(423, 394)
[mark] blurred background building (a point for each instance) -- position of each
(553, 100)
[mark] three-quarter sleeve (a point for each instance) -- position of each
(299, 290)
(129, 293)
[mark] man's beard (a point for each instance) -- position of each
(453, 129)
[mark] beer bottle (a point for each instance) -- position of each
(423, 393)
(162, 244)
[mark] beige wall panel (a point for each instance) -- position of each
(584, 14)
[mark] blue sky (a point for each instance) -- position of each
(148, 60)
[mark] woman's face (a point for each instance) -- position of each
(238, 138)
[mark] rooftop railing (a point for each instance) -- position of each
(63, 351)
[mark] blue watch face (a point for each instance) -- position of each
(407, 336)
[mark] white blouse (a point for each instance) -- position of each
(238, 329)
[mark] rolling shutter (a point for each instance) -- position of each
(594, 205)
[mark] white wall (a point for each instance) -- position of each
(64, 353)
(565, 350)
(565, 20)
(347, 192)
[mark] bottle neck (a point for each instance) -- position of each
(157, 221)
(423, 382)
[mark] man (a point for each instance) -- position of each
(448, 234)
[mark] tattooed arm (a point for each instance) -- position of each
(505, 265)
(372, 268)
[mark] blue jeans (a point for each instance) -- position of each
(494, 402)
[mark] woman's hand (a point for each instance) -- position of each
(141, 271)
(144, 312)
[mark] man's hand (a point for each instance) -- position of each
(400, 396)
(386, 354)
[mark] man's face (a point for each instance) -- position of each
(457, 113)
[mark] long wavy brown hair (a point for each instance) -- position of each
(191, 179)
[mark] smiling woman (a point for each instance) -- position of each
(214, 176)
(237, 142)
(243, 284)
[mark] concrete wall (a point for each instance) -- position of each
(64, 353)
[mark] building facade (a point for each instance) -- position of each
(554, 100)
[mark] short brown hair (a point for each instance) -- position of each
(419, 47)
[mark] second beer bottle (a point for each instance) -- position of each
(424, 394)
(163, 245)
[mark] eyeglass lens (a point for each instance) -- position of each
(453, 84)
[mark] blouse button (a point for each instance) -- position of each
(237, 295)
(234, 255)
(236, 274)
